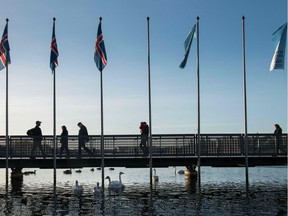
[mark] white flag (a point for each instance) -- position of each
(279, 37)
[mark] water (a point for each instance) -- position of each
(223, 192)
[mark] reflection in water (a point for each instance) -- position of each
(174, 195)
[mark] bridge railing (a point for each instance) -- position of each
(176, 145)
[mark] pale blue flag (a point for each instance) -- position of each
(279, 37)
(187, 45)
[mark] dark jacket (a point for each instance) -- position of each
(64, 137)
(83, 134)
(37, 134)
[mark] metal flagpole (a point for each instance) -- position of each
(7, 131)
(54, 120)
(245, 107)
(102, 127)
(198, 91)
(150, 121)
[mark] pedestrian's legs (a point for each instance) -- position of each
(61, 149)
(143, 146)
(79, 148)
(34, 145)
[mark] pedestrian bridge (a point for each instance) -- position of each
(226, 150)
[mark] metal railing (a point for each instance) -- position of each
(182, 145)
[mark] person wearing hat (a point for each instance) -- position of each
(83, 138)
(37, 138)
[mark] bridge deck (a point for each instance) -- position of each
(167, 150)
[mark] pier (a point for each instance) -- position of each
(222, 150)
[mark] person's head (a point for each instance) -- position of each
(80, 124)
(64, 128)
(38, 123)
(276, 126)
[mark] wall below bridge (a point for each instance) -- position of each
(237, 161)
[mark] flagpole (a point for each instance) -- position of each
(54, 118)
(198, 92)
(7, 131)
(149, 93)
(102, 127)
(245, 106)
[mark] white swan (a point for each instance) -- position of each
(78, 190)
(116, 185)
(155, 177)
(181, 172)
(97, 190)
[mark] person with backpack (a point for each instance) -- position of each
(36, 134)
(144, 130)
(83, 138)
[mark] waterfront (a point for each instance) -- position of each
(223, 193)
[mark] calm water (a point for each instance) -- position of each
(223, 193)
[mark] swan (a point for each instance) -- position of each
(78, 190)
(97, 190)
(116, 185)
(181, 172)
(67, 171)
(155, 177)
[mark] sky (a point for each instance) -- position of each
(125, 77)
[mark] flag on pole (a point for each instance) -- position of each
(187, 45)
(279, 37)
(4, 49)
(100, 56)
(54, 50)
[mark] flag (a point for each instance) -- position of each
(100, 56)
(187, 45)
(54, 50)
(4, 49)
(279, 37)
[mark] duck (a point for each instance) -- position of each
(181, 172)
(116, 186)
(98, 168)
(29, 172)
(111, 168)
(97, 190)
(92, 169)
(69, 171)
(78, 190)
(155, 177)
(78, 171)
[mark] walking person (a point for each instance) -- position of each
(64, 142)
(36, 134)
(83, 138)
(144, 130)
(278, 135)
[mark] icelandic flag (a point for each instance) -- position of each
(100, 56)
(279, 37)
(4, 49)
(54, 51)
(187, 45)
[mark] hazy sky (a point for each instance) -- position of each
(125, 78)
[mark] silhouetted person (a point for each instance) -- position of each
(144, 130)
(64, 142)
(83, 138)
(278, 135)
(36, 134)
